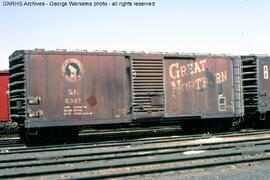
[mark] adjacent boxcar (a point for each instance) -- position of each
(4, 107)
(60, 89)
(256, 86)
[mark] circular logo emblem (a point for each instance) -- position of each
(72, 70)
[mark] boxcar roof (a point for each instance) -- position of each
(120, 52)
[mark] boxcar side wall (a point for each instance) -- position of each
(77, 89)
(4, 108)
(51, 88)
(199, 87)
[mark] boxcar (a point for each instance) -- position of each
(4, 107)
(256, 87)
(67, 89)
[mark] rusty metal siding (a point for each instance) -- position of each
(57, 89)
(66, 89)
(199, 87)
(107, 92)
(4, 107)
(264, 84)
(36, 83)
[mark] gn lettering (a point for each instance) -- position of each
(73, 97)
(265, 72)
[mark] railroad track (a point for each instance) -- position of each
(93, 135)
(134, 157)
(7, 141)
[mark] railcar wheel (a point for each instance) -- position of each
(219, 125)
(29, 136)
(262, 124)
(187, 127)
(227, 125)
(53, 135)
(71, 134)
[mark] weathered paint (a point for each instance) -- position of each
(88, 88)
(199, 87)
(76, 89)
(4, 107)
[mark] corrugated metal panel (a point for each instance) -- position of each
(147, 87)
(17, 88)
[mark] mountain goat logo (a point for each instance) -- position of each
(72, 70)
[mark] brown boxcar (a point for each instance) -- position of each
(256, 86)
(4, 107)
(60, 88)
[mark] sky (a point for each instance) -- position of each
(190, 26)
